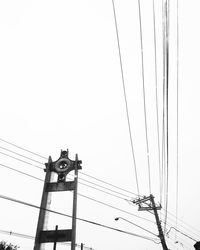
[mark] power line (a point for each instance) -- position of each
(119, 209)
(79, 178)
(97, 201)
(181, 233)
(163, 136)
(21, 155)
(79, 182)
(185, 226)
(156, 93)
(178, 239)
(104, 187)
(177, 112)
(15, 158)
(166, 80)
(16, 234)
(14, 145)
(80, 172)
(116, 196)
(10, 168)
(136, 225)
(144, 96)
(125, 96)
(21, 172)
(167, 105)
(108, 183)
(77, 218)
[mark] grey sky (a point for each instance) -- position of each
(61, 88)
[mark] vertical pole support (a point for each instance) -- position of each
(73, 242)
(43, 206)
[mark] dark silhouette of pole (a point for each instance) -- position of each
(55, 241)
(73, 242)
(161, 235)
(44, 202)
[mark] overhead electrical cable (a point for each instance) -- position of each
(166, 48)
(21, 172)
(186, 235)
(102, 187)
(77, 218)
(167, 106)
(177, 239)
(46, 158)
(107, 183)
(177, 111)
(183, 230)
(32, 176)
(119, 209)
(10, 168)
(79, 177)
(156, 94)
(15, 158)
(125, 96)
(6, 149)
(114, 191)
(144, 96)
(186, 227)
(137, 226)
(180, 242)
(86, 180)
(14, 145)
(163, 162)
(97, 201)
(164, 107)
(119, 197)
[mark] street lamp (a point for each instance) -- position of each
(117, 218)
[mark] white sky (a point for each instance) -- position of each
(61, 88)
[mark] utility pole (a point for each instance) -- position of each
(149, 204)
(73, 242)
(61, 167)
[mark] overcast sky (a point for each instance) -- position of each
(61, 87)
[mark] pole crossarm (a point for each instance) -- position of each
(147, 203)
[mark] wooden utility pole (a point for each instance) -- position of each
(73, 242)
(145, 206)
(61, 167)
